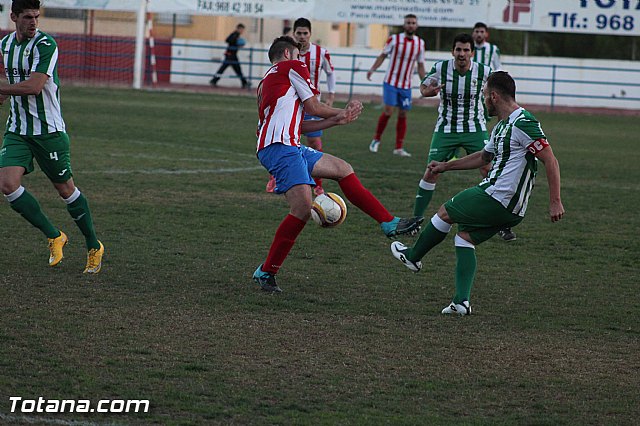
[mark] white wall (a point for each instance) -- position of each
(610, 88)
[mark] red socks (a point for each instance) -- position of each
(401, 131)
(382, 124)
(401, 128)
(283, 241)
(291, 226)
(363, 199)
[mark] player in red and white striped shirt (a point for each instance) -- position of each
(284, 95)
(404, 51)
(317, 59)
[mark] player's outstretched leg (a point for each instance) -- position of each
(362, 198)
(434, 233)
(399, 226)
(399, 251)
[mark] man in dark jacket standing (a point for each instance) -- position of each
(234, 42)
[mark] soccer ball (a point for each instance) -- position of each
(328, 210)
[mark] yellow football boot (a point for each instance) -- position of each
(94, 260)
(55, 248)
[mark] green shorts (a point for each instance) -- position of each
(51, 151)
(477, 213)
(444, 145)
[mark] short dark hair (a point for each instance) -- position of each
(240, 25)
(302, 22)
(502, 82)
(279, 45)
(481, 25)
(410, 15)
(19, 6)
(463, 38)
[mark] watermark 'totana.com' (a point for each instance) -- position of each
(41, 405)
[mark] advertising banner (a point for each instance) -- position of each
(430, 13)
(618, 17)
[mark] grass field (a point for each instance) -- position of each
(355, 338)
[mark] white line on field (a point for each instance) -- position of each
(160, 157)
(173, 172)
(182, 147)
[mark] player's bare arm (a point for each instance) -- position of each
(556, 209)
(32, 86)
(313, 106)
(472, 161)
(379, 60)
(349, 114)
(430, 87)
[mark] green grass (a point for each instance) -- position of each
(178, 200)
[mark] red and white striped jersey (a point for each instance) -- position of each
(403, 52)
(317, 58)
(281, 94)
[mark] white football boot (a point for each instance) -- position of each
(461, 309)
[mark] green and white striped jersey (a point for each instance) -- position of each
(488, 54)
(514, 169)
(461, 108)
(33, 115)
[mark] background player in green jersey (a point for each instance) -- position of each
(501, 199)
(485, 53)
(461, 121)
(35, 129)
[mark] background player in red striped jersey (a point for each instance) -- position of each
(316, 58)
(284, 95)
(404, 50)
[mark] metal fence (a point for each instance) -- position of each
(542, 81)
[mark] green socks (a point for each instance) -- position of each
(465, 272)
(26, 204)
(78, 208)
(434, 233)
(423, 197)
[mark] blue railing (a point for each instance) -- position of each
(545, 83)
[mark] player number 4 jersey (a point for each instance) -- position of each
(33, 115)
(281, 94)
(514, 142)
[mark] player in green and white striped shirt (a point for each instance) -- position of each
(500, 200)
(485, 52)
(461, 120)
(35, 129)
